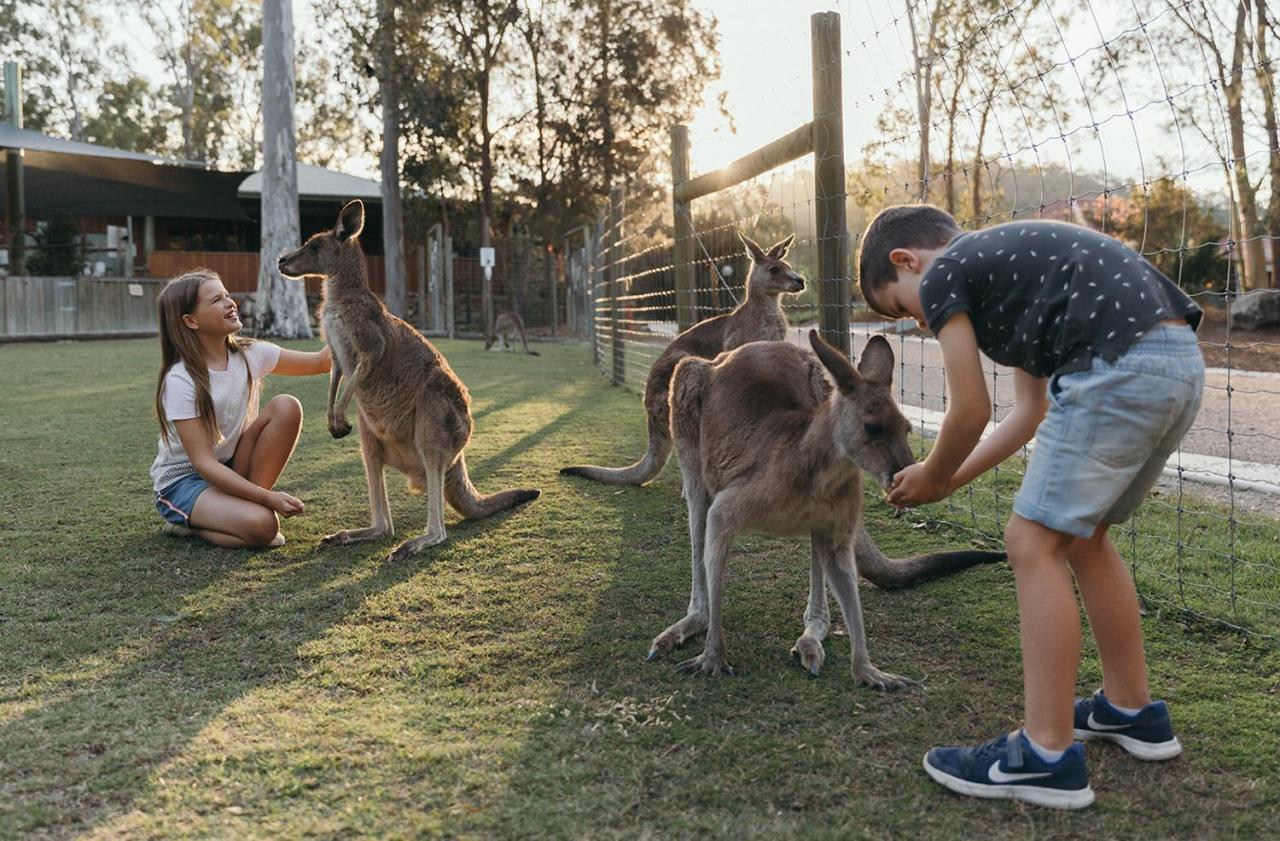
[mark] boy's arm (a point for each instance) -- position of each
(1018, 427)
(295, 363)
(962, 427)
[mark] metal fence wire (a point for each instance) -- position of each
(1153, 122)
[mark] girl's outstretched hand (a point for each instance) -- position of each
(284, 504)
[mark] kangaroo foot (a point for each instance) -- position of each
(869, 675)
(415, 545)
(342, 538)
(339, 428)
(676, 636)
(810, 652)
(707, 664)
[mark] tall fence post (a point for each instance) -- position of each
(686, 302)
(15, 205)
(552, 278)
(422, 286)
(828, 177)
(613, 273)
(446, 258)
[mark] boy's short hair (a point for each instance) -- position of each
(900, 226)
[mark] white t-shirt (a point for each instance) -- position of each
(235, 404)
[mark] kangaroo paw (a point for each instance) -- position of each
(339, 428)
(704, 664)
(869, 675)
(415, 545)
(810, 653)
(675, 636)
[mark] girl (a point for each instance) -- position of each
(219, 456)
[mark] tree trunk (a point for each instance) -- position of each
(975, 194)
(952, 109)
(280, 309)
(392, 215)
(606, 92)
(1267, 82)
(1251, 231)
(486, 197)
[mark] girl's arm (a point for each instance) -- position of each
(297, 363)
(1018, 427)
(196, 443)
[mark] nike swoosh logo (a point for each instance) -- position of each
(1094, 724)
(997, 776)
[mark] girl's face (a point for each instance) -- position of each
(216, 313)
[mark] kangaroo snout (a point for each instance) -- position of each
(797, 284)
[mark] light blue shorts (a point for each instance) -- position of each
(1109, 432)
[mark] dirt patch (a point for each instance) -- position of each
(1250, 350)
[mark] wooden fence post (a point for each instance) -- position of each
(828, 177)
(446, 258)
(613, 269)
(686, 300)
(422, 287)
(552, 276)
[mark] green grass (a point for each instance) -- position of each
(493, 686)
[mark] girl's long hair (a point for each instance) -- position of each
(178, 342)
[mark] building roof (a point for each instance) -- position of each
(315, 182)
(34, 141)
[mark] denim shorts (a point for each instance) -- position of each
(1109, 432)
(176, 502)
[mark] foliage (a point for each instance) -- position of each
(58, 251)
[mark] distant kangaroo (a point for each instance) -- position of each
(759, 318)
(414, 412)
(766, 444)
(507, 327)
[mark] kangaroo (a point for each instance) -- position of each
(506, 327)
(414, 412)
(766, 443)
(759, 318)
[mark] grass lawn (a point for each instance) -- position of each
(494, 686)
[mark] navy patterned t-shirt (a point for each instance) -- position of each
(1047, 297)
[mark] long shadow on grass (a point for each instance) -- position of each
(108, 735)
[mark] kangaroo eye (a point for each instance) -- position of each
(873, 430)
(774, 270)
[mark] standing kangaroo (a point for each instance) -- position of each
(765, 443)
(414, 412)
(759, 319)
(507, 327)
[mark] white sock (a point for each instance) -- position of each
(1129, 711)
(1043, 752)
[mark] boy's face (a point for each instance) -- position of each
(902, 299)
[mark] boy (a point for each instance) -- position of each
(1085, 315)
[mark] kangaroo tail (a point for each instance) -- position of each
(524, 341)
(644, 470)
(463, 496)
(892, 573)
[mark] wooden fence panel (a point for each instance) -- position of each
(67, 307)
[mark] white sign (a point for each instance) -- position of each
(487, 258)
(135, 289)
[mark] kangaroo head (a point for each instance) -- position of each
(869, 430)
(770, 273)
(319, 254)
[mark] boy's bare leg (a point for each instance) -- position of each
(1112, 605)
(1050, 627)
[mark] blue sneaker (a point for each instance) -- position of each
(1008, 767)
(1147, 735)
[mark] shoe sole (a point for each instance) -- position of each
(1049, 797)
(1146, 751)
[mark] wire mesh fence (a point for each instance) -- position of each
(1152, 122)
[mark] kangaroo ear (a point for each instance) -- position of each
(350, 221)
(780, 250)
(841, 369)
(755, 252)
(876, 362)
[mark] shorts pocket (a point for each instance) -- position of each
(1130, 416)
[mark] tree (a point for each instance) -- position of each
(281, 305)
(130, 115)
(389, 160)
(210, 50)
(58, 251)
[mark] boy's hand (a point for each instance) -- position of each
(916, 485)
(284, 504)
